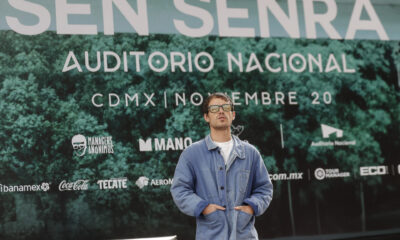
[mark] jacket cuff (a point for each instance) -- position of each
(252, 205)
(200, 207)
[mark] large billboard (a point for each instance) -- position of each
(99, 98)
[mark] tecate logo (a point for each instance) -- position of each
(78, 185)
(114, 183)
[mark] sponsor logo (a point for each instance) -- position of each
(286, 176)
(327, 131)
(164, 144)
(79, 144)
(321, 173)
(93, 145)
(79, 185)
(44, 187)
(374, 170)
(145, 146)
(145, 181)
(237, 130)
(113, 183)
(142, 182)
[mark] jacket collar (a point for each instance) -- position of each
(238, 147)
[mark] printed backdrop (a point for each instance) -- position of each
(92, 126)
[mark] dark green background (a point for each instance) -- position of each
(43, 108)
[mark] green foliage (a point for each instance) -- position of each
(42, 108)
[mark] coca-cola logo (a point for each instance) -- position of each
(78, 185)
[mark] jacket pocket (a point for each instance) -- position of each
(212, 220)
(211, 226)
(245, 227)
(243, 220)
(211, 217)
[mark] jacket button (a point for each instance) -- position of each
(222, 188)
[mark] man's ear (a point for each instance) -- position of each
(233, 115)
(206, 118)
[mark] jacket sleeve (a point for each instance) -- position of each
(183, 189)
(261, 188)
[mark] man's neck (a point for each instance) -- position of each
(221, 135)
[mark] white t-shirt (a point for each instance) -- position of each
(226, 148)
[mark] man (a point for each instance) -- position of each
(221, 180)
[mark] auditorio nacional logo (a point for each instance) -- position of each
(92, 145)
(328, 131)
(44, 187)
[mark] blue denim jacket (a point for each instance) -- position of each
(201, 178)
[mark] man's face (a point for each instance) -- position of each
(220, 120)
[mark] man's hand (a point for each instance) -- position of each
(246, 209)
(212, 208)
